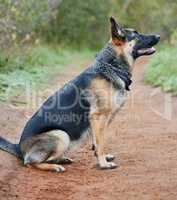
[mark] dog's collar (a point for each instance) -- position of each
(113, 67)
(114, 74)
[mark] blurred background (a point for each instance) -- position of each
(39, 33)
(82, 23)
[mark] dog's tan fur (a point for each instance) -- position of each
(57, 141)
(49, 167)
(103, 109)
(105, 105)
(125, 49)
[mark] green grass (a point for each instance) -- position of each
(162, 69)
(36, 65)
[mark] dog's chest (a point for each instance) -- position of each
(119, 98)
(105, 97)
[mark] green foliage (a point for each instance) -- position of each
(173, 39)
(81, 23)
(20, 19)
(162, 69)
(35, 65)
(149, 16)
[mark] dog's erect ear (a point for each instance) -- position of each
(117, 32)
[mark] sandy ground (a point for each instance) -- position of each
(143, 137)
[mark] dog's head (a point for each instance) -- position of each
(130, 43)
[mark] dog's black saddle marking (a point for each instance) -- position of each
(68, 109)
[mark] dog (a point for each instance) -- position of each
(93, 97)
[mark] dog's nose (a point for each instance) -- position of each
(157, 37)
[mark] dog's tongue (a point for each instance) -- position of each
(147, 51)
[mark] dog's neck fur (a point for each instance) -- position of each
(112, 67)
(108, 55)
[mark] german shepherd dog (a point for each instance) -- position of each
(93, 98)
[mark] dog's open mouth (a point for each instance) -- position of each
(147, 51)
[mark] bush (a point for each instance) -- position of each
(81, 23)
(173, 40)
(20, 19)
(162, 70)
(149, 16)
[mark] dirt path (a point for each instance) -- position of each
(143, 137)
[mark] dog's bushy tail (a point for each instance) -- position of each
(10, 147)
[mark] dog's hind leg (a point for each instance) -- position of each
(62, 160)
(40, 150)
(50, 167)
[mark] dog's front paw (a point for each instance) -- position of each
(109, 165)
(110, 157)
